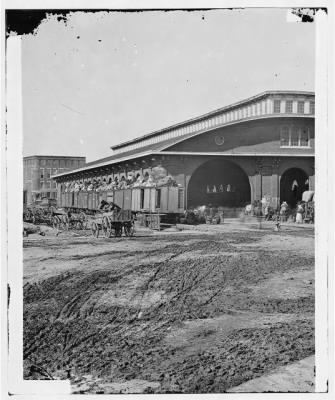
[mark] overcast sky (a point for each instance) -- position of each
(104, 78)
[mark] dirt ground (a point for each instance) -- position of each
(202, 310)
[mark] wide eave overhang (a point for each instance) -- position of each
(162, 148)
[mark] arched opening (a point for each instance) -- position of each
(218, 183)
(293, 183)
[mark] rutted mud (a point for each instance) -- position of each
(169, 313)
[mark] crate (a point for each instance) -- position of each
(153, 221)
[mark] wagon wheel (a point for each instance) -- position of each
(129, 229)
(118, 230)
(50, 220)
(79, 225)
(106, 228)
(55, 222)
(83, 220)
(27, 216)
(95, 229)
(65, 222)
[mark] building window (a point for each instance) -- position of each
(304, 137)
(42, 173)
(294, 137)
(284, 137)
(276, 106)
(301, 107)
(289, 106)
(312, 107)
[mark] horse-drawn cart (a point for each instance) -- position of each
(113, 223)
(38, 215)
(65, 220)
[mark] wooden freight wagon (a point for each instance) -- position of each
(75, 196)
(123, 198)
(68, 197)
(156, 205)
(102, 196)
(83, 203)
(149, 202)
(137, 199)
(170, 200)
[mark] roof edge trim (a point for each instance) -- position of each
(218, 110)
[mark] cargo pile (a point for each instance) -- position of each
(156, 178)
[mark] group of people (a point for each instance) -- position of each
(102, 184)
(285, 212)
(298, 214)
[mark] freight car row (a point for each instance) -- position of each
(153, 205)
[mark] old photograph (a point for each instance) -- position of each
(168, 200)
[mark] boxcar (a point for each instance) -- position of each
(162, 204)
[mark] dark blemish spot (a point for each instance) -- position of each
(8, 295)
(78, 37)
(307, 18)
(24, 22)
(61, 18)
(99, 40)
(307, 14)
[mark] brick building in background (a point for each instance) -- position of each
(37, 171)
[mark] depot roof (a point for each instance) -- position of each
(256, 107)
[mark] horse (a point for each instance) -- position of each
(108, 206)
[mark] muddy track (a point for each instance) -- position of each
(114, 321)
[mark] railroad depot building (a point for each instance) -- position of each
(261, 147)
(37, 172)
